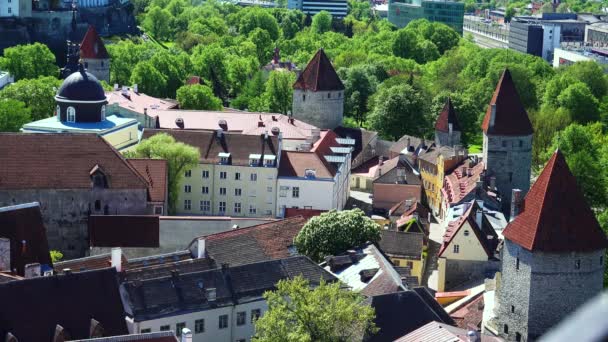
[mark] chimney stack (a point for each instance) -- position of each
(117, 258)
(186, 335)
(516, 200)
(32, 271)
(200, 248)
(135, 88)
(5, 255)
(492, 114)
(116, 87)
(478, 217)
(473, 336)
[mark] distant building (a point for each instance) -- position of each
(404, 250)
(5, 79)
(81, 108)
(435, 331)
(236, 176)
(447, 128)
(276, 64)
(553, 256)
(468, 250)
(323, 170)
(399, 181)
(16, 8)
(337, 8)
(596, 34)
(451, 13)
(507, 141)
(569, 56)
(318, 94)
(219, 304)
(72, 176)
(94, 55)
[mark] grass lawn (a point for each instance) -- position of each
(474, 148)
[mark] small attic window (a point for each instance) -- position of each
(224, 158)
(98, 178)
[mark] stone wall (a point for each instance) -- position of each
(509, 159)
(99, 68)
(65, 212)
(461, 271)
(323, 109)
(545, 289)
(447, 139)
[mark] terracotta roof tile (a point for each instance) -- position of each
(263, 242)
(154, 171)
(240, 146)
(61, 161)
(510, 118)
(123, 231)
(306, 213)
(295, 163)
(139, 102)
(319, 75)
(23, 223)
(92, 46)
(461, 181)
(447, 117)
(90, 263)
(555, 217)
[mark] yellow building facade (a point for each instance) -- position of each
(433, 166)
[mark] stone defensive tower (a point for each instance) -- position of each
(318, 94)
(507, 141)
(94, 55)
(447, 129)
(553, 256)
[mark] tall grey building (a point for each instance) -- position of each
(447, 128)
(318, 94)
(507, 141)
(553, 256)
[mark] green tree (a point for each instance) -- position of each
(251, 98)
(13, 115)
(179, 157)
(256, 17)
(157, 23)
(444, 37)
(405, 43)
(279, 91)
(321, 22)
(547, 7)
(37, 94)
(174, 67)
(360, 83)
(334, 232)
(149, 79)
(562, 8)
(580, 102)
(125, 55)
(197, 97)
(263, 44)
(29, 61)
(210, 62)
(326, 313)
(398, 111)
(56, 256)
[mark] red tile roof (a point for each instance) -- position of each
(92, 46)
(138, 102)
(123, 231)
(154, 171)
(447, 117)
(458, 183)
(95, 262)
(322, 148)
(555, 216)
(470, 314)
(511, 118)
(295, 163)
(62, 161)
(319, 75)
(23, 223)
(306, 213)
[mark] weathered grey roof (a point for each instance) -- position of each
(405, 244)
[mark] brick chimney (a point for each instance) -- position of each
(116, 258)
(186, 335)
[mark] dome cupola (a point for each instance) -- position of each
(81, 98)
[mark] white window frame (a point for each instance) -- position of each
(205, 205)
(223, 175)
(221, 205)
(238, 192)
(456, 249)
(223, 191)
(205, 174)
(187, 204)
(237, 208)
(71, 114)
(205, 190)
(295, 192)
(253, 177)
(252, 209)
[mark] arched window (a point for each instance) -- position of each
(71, 114)
(506, 329)
(103, 112)
(58, 111)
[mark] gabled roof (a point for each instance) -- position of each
(240, 146)
(362, 137)
(263, 242)
(186, 293)
(159, 336)
(400, 313)
(319, 75)
(23, 226)
(90, 263)
(447, 117)
(481, 234)
(555, 217)
(401, 244)
(295, 164)
(92, 46)
(124, 231)
(461, 181)
(155, 172)
(32, 308)
(440, 332)
(411, 144)
(62, 161)
(510, 116)
(391, 169)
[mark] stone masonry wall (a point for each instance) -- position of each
(65, 212)
(461, 271)
(445, 139)
(509, 159)
(323, 109)
(100, 68)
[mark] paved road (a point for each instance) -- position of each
(429, 279)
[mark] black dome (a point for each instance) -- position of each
(81, 86)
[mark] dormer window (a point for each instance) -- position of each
(310, 173)
(98, 177)
(254, 159)
(269, 160)
(71, 114)
(224, 158)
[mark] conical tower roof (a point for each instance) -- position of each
(447, 117)
(555, 216)
(92, 46)
(510, 117)
(319, 75)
